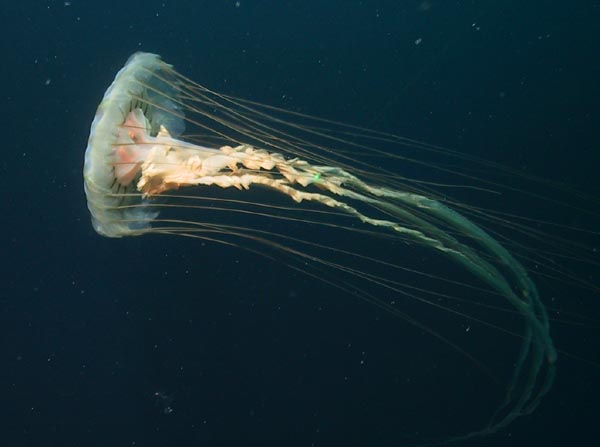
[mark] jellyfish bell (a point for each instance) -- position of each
(139, 166)
(112, 157)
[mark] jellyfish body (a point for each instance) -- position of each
(135, 162)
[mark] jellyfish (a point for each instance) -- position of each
(145, 174)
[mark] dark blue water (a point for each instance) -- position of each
(157, 341)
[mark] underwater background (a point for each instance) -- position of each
(161, 341)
